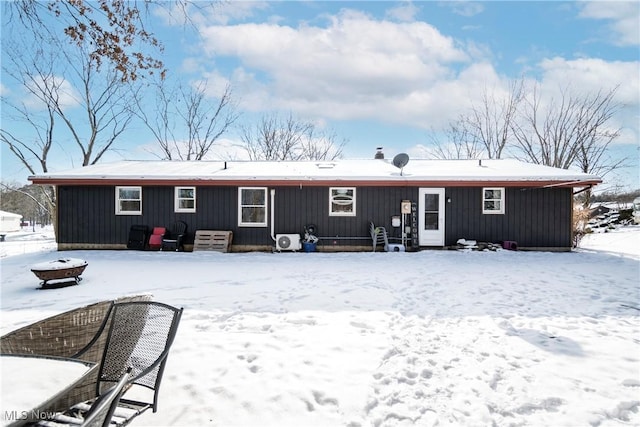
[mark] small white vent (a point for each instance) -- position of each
(288, 242)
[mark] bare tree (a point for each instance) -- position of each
(568, 132)
(86, 107)
(36, 149)
(492, 121)
(562, 130)
(101, 97)
(30, 153)
(484, 131)
(572, 131)
(275, 138)
(459, 142)
(186, 124)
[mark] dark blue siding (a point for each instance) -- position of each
(534, 217)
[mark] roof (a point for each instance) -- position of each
(5, 214)
(369, 172)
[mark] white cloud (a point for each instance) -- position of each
(624, 17)
(356, 67)
(406, 12)
(225, 12)
(191, 65)
(405, 73)
(213, 84)
(592, 75)
(206, 12)
(464, 8)
(68, 96)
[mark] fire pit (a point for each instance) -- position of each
(59, 273)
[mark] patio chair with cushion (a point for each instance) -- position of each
(155, 240)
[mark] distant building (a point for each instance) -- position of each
(9, 221)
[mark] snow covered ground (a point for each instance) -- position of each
(374, 339)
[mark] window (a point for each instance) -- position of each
(185, 199)
(128, 200)
(342, 201)
(493, 200)
(252, 207)
(431, 211)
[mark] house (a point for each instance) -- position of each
(435, 202)
(9, 221)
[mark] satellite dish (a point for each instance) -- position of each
(400, 161)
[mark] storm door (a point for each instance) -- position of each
(431, 217)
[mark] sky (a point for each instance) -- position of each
(394, 339)
(392, 74)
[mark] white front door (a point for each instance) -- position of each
(431, 217)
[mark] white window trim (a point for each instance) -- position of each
(353, 202)
(240, 205)
(177, 199)
(501, 200)
(121, 212)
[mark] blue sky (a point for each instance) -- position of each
(388, 73)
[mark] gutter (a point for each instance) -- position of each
(589, 187)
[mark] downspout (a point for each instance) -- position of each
(273, 197)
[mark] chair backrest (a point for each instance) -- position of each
(159, 231)
(140, 337)
(372, 229)
(137, 237)
(179, 228)
(70, 334)
(105, 405)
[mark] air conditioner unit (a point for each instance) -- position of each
(288, 242)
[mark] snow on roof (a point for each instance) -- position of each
(343, 170)
(5, 214)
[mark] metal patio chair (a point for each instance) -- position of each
(99, 414)
(140, 337)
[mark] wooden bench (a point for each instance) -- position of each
(212, 240)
